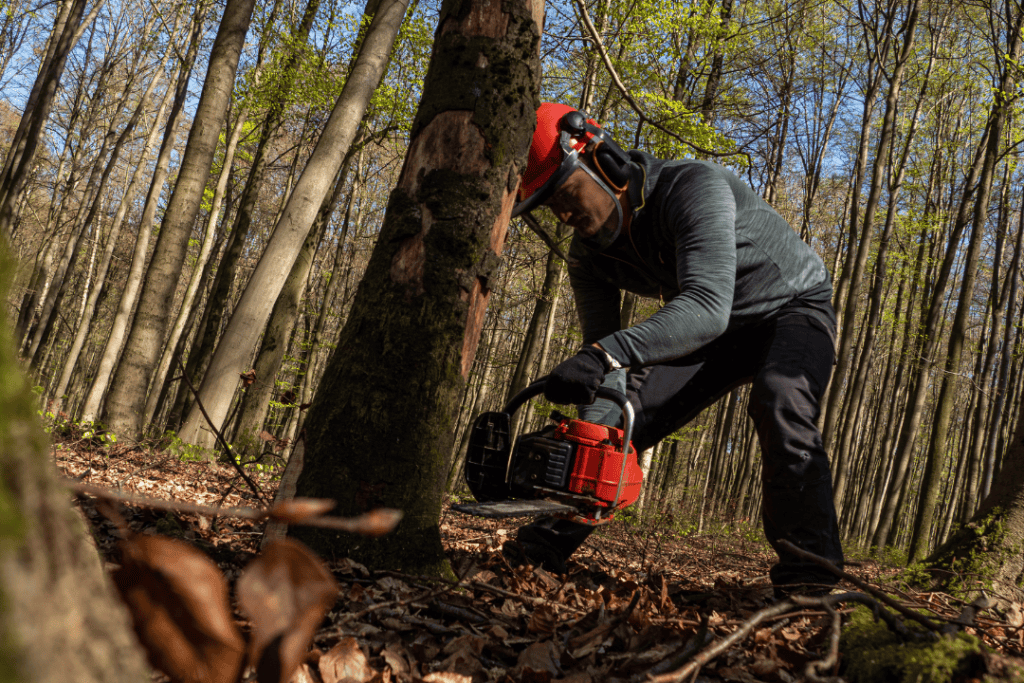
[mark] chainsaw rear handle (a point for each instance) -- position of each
(616, 397)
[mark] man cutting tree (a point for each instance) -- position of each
(745, 301)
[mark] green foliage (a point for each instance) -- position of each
(183, 450)
(874, 654)
(93, 432)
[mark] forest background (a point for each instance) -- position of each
(886, 133)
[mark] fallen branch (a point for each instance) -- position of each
(863, 585)
(719, 646)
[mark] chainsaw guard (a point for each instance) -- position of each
(487, 458)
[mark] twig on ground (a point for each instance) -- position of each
(220, 437)
(864, 586)
(830, 660)
(721, 645)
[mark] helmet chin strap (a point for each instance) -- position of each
(603, 238)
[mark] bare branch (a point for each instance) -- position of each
(599, 44)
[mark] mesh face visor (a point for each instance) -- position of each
(570, 162)
(574, 125)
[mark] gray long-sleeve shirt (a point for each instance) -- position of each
(707, 245)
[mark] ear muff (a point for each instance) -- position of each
(612, 163)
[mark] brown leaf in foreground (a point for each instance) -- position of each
(179, 605)
(285, 591)
(303, 675)
(345, 662)
(296, 510)
(373, 523)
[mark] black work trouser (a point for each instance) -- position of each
(788, 360)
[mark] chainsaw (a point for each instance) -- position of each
(574, 469)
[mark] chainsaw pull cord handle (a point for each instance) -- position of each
(612, 395)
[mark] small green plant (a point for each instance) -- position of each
(914, 576)
(93, 432)
(183, 450)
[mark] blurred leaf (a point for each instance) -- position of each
(285, 592)
(178, 600)
(295, 510)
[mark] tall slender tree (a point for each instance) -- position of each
(127, 399)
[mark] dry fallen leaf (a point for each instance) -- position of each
(397, 657)
(285, 592)
(543, 620)
(178, 600)
(446, 677)
(345, 662)
(538, 657)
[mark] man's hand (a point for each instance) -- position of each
(577, 379)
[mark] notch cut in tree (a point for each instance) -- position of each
(382, 423)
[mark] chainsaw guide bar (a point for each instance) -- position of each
(514, 508)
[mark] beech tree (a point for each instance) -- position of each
(257, 302)
(125, 404)
(381, 426)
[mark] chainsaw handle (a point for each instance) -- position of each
(537, 388)
(618, 398)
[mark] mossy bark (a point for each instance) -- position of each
(874, 654)
(59, 617)
(987, 553)
(381, 427)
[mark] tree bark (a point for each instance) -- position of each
(407, 348)
(60, 616)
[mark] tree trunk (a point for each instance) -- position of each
(256, 401)
(199, 272)
(407, 347)
(1004, 365)
(115, 231)
(22, 149)
(112, 349)
(937, 451)
(849, 310)
(985, 553)
(124, 407)
(60, 617)
(253, 310)
(929, 339)
(535, 331)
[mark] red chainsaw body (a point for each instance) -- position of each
(574, 463)
(598, 463)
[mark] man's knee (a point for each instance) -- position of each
(783, 393)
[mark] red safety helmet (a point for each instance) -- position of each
(561, 135)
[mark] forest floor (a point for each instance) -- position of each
(638, 603)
